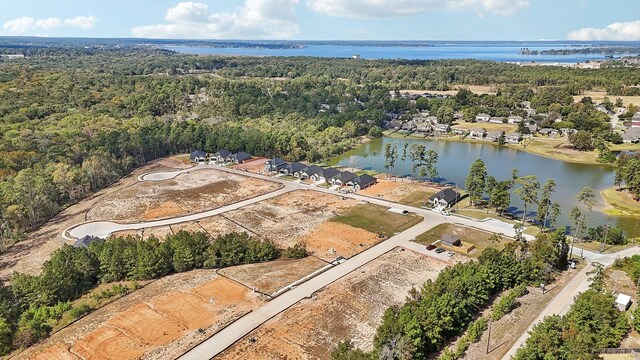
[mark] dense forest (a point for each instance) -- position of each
(75, 119)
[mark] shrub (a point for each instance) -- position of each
(297, 251)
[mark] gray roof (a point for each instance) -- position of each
(276, 162)
(312, 170)
(295, 167)
(636, 117)
(241, 156)
(364, 180)
(85, 241)
(345, 176)
(448, 195)
(328, 173)
(222, 153)
(197, 154)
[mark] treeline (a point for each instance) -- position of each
(628, 172)
(446, 306)
(33, 304)
(593, 323)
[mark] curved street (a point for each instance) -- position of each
(244, 325)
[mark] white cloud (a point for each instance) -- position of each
(620, 31)
(26, 24)
(262, 19)
(83, 22)
(390, 8)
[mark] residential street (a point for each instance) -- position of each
(243, 326)
(562, 302)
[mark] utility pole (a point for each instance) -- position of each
(489, 336)
(603, 245)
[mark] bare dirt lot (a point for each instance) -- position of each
(255, 166)
(408, 193)
(272, 276)
(350, 308)
(28, 255)
(186, 194)
(304, 215)
(159, 321)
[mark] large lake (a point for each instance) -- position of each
(507, 51)
(455, 159)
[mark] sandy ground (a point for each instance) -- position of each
(350, 308)
(186, 194)
(410, 193)
(28, 256)
(255, 166)
(303, 215)
(159, 321)
(271, 276)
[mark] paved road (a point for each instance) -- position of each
(562, 302)
(104, 228)
(243, 326)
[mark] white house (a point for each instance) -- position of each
(483, 117)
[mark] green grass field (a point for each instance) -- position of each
(376, 219)
(480, 239)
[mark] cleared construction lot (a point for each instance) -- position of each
(350, 308)
(188, 193)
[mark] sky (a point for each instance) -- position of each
(325, 19)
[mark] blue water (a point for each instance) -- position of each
(496, 51)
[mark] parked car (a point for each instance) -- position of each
(431, 247)
(450, 253)
(440, 250)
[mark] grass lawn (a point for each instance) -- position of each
(556, 149)
(620, 203)
(479, 238)
(508, 128)
(482, 214)
(375, 218)
(416, 198)
(595, 247)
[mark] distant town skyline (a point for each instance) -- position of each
(327, 19)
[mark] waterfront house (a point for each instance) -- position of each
(409, 126)
(310, 171)
(275, 165)
(532, 128)
(293, 169)
(548, 132)
(458, 131)
(362, 182)
(494, 135)
(635, 120)
(444, 199)
(325, 174)
(441, 128)
(198, 156)
(513, 138)
(395, 124)
(343, 178)
(424, 128)
(631, 136)
(477, 133)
